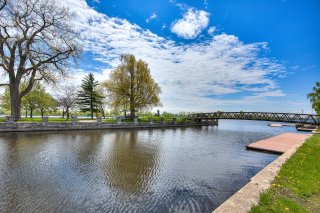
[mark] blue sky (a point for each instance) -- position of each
(208, 55)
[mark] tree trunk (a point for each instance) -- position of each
(63, 113)
(42, 112)
(103, 113)
(91, 106)
(31, 112)
(15, 100)
(132, 109)
(26, 112)
(67, 111)
(132, 113)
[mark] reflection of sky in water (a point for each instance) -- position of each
(183, 169)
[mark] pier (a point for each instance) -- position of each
(280, 143)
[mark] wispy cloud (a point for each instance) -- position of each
(153, 16)
(211, 30)
(191, 24)
(187, 73)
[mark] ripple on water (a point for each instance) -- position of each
(172, 170)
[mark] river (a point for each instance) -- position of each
(158, 170)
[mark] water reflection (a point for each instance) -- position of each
(166, 170)
(131, 163)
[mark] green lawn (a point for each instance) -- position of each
(297, 186)
(108, 120)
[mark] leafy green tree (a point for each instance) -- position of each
(5, 100)
(89, 98)
(37, 98)
(29, 102)
(103, 105)
(46, 103)
(314, 97)
(131, 86)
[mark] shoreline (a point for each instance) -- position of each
(249, 195)
(69, 126)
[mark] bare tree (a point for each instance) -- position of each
(67, 99)
(36, 43)
(3, 4)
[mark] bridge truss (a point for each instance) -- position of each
(262, 116)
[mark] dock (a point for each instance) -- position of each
(280, 143)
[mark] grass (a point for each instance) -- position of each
(107, 120)
(158, 119)
(40, 120)
(297, 186)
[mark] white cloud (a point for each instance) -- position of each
(153, 16)
(187, 73)
(191, 24)
(211, 30)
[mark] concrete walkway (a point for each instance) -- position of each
(280, 143)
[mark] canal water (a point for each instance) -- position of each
(159, 170)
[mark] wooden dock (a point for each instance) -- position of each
(280, 143)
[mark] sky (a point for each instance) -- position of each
(207, 55)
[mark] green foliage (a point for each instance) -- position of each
(89, 99)
(5, 100)
(167, 114)
(314, 97)
(131, 86)
(46, 103)
(297, 186)
(36, 99)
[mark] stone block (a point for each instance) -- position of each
(74, 120)
(45, 120)
(10, 119)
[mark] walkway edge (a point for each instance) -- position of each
(249, 195)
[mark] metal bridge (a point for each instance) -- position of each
(261, 116)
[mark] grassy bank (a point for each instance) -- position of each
(297, 186)
(180, 119)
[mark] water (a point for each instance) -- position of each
(171, 170)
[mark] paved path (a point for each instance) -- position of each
(280, 143)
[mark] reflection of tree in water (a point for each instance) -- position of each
(14, 160)
(132, 162)
(88, 145)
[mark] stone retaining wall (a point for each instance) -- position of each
(58, 126)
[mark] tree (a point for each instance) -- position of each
(314, 97)
(2, 4)
(29, 102)
(89, 99)
(5, 100)
(37, 98)
(36, 43)
(67, 99)
(46, 103)
(131, 85)
(103, 105)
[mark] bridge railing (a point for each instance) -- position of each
(264, 116)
